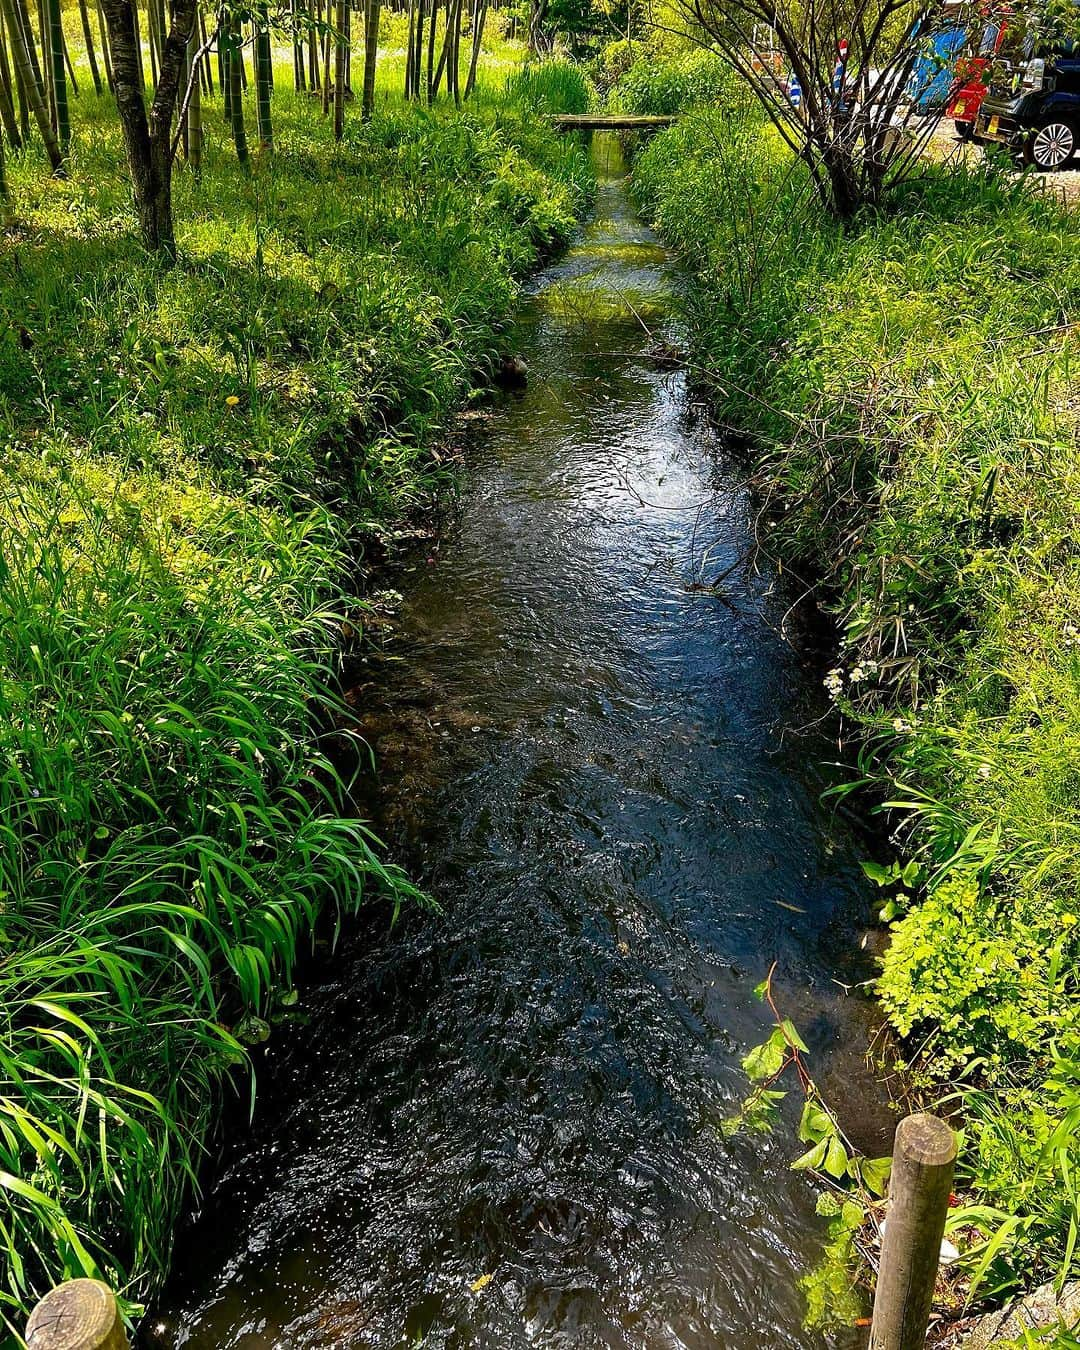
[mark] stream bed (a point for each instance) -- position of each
(499, 1126)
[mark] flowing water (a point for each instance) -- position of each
(499, 1126)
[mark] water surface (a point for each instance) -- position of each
(499, 1127)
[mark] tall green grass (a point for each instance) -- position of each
(664, 85)
(913, 396)
(554, 86)
(194, 461)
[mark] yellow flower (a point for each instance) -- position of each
(1068, 920)
(232, 400)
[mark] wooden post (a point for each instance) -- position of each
(922, 1173)
(78, 1315)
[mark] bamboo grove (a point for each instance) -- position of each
(162, 60)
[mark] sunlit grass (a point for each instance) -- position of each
(912, 385)
(195, 458)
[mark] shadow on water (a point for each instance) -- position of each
(598, 772)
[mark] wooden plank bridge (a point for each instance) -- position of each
(606, 122)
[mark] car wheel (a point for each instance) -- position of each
(1050, 146)
(964, 130)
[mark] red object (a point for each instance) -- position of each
(968, 90)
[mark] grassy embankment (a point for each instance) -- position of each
(192, 459)
(915, 408)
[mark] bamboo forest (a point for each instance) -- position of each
(539, 674)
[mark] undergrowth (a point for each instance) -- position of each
(911, 385)
(193, 460)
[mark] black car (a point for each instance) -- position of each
(1033, 103)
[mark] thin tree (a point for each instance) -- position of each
(341, 48)
(7, 96)
(446, 51)
(410, 38)
(453, 85)
(480, 10)
(372, 13)
(106, 59)
(148, 140)
(206, 67)
(854, 124)
(433, 18)
(541, 41)
(20, 93)
(327, 83)
(264, 76)
(299, 66)
(58, 83)
(88, 41)
(418, 50)
(193, 113)
(235, 71)
(31, 84)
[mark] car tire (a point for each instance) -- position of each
(1052, 145)
(965, 131)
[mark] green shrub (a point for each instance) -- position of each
(667, 86)
(974, 973)
(555, 86)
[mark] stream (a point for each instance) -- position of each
(499, 1126)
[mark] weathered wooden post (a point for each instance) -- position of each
(919, 1188)
(78, 1315)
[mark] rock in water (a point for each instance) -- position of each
(513, 373)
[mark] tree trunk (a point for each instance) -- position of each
(236, 90)
(88, 39)
(263, 77)
(371, 56)
(46, 67)
(106, 59)
(433, 19)
(328, 42)
(148, 141)
(340, 52)
(30, 84)
(479, 19)
(27, 29)
(59, 76)
(410, 38)
(453, 77)
(418, 49)
(7, 97)
(299, 67)
(194, 109)
(445, 51)
(24, 106)
(538, 40)
(314, 9)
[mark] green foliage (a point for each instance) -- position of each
(973, 968)
(831, 1288)
(673, 84)
(914, 405)
(192, 460)
(555, 86)
(853, 1183)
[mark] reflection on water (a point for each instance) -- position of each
(499, 1126)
